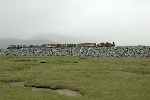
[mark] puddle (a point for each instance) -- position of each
(59, 90)
(68, 92)
(56, 89)
(41, 89)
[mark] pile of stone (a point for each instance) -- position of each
(128, 51)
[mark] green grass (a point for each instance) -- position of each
(95, 78)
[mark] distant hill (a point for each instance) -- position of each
(37, 39)
(9, 41)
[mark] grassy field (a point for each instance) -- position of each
(93, 78)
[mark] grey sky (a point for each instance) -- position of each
(124, 21)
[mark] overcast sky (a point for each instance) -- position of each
(126, 22)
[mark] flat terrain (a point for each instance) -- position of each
(73, 78)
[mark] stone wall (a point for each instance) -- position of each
(134, 51)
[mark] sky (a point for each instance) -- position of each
(126, 22)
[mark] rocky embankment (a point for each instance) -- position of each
(124, 51)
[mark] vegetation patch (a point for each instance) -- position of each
(43, 61)
(141, 70)
(16, 84)
(24, 60)
(10, 80)
(75, 62)
(72, 78)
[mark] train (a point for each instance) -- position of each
(57, 45)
